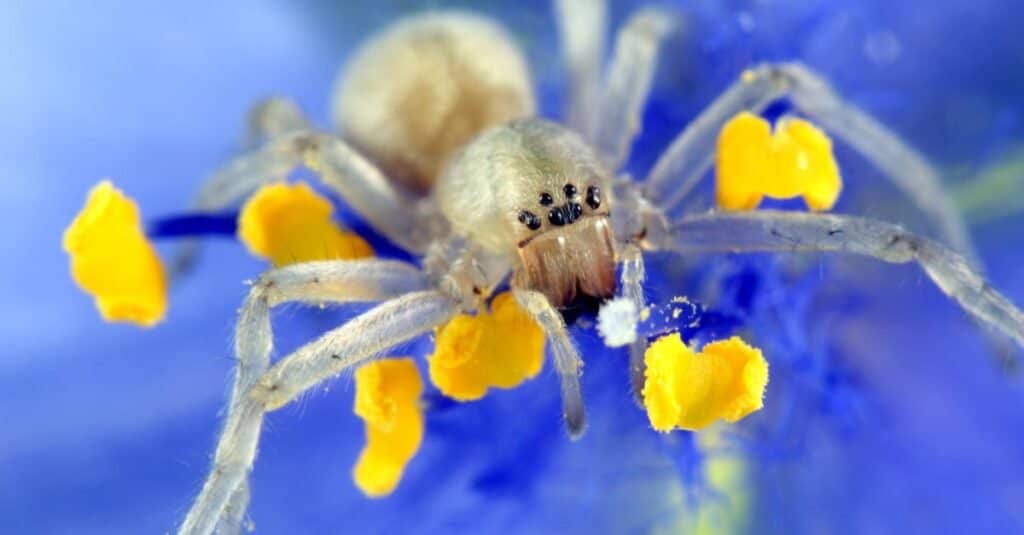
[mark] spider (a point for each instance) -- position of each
(443, 155)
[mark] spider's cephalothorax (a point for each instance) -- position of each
(535, 190)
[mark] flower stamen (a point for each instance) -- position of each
(387, 398)
(112, 260)
(795, 160)
(689, 390)
(498, 348)
(288, 224)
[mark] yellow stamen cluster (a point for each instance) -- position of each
(112, 260)
(501, 348)
(288, 224)
(387, 398)
(753, 162)
(691, 390)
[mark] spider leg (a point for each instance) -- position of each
(628, 82)
(327, 281)
(691, 154)
(232, 520)
(267, 120)
(341, 169)
(632, 280)
(766, 231)
(568, 363)
(272, 118)
(581, 29)
(364, 337)
(224, 495)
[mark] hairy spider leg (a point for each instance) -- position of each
(778, 231)
(632, 280)
(627, 83)
(582, 26)
(606, 110)
(346, 173)
(267, 120)
(223, 497)
(567, 359)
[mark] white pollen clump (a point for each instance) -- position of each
(616, 322)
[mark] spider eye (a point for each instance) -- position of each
(570, 191)
(575, 211)
(546, 199)
(557, 217)
(529, 219)
(594, 197)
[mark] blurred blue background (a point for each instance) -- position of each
(885, 412)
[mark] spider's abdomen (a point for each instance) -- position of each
(534, 190)
(424, 87)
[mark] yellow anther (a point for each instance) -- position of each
(692, 390)
(387, 398)
(288, 224)
(501, 348)
(112, 260)
(795, 160)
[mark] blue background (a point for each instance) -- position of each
(885, 413)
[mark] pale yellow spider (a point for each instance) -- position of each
(441, 154)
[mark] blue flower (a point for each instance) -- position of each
(884, 413)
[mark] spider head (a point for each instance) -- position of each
(571, 261)
(534, 189)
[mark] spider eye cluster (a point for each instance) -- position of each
(565, 214)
